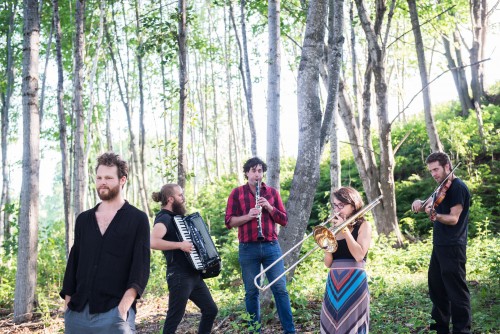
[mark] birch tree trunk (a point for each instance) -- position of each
(141, 172)
(244, 67)
(80, 165)
(24, 297)
(335, 45)
(435, 142)
(306, 174)
(6, 98)
(183, 82)
(273, 95)
(63, 141)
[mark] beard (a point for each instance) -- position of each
(111, 193)
(178, 208)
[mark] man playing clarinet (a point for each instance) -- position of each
(258, 240)
(184, 282)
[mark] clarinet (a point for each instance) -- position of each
(260, 237)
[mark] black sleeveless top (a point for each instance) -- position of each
(342, 250)
(176, 259)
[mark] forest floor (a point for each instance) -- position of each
(151, 313)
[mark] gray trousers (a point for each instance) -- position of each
(99, 323)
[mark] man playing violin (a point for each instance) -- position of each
(448, 209)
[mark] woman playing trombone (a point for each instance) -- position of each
(346, 304)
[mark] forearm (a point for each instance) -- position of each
(446, 219)
(164, 245)
(240, 220)
(127, 299)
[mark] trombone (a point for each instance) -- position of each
(325, 238)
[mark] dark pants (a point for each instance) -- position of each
(448, 290)
(183, 287)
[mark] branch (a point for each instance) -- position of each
(424, 23)
(293, 41)
(401, 142)
(493, 8)
(430, 82)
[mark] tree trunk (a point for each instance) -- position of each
(354, 60)
(244, 67)
(385, 214)
(458, 78)
(306, 174)
(6, 98)
(203, 117)
(80, 165)
(63, 141)
(477, 13)
(273, 95)
(183, 82)
(24, 297)
(335, 45)
(141, 172)
(435, 142)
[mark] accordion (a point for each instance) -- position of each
(205, 257)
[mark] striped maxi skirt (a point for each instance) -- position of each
(346, 305)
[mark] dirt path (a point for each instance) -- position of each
(151, 314)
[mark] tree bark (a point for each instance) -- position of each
(385, 215)
(24, 297)
(141, 172)
(273, 95)
(458, 77)
(6, 98)
(63, 141)
(435, 142)
(306, 174)
(80, 165)
(335, 47)
(183, 82)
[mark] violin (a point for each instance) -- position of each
(438, 197)
(440, 193)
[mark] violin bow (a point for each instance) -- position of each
(441, 184)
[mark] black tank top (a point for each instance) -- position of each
(342, 250)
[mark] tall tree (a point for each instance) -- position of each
(419, 46)
(183, 88)
(379, 179)
(273, 94)
(335, 46)
(5, 120)
(306, 173)
(244, 67)
(63, 141)
(80, 165)
(24, 297)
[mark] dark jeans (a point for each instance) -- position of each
(183, 287)
(448, 290)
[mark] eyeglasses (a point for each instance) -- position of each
(339, 206)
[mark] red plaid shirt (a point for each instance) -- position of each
(242, 200)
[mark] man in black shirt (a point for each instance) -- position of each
(108, 266)
(184, 282)
(449, 211)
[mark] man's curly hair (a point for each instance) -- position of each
(111, 159)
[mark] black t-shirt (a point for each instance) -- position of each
(176, 259)
(452, 235)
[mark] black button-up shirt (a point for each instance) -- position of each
(100, 267)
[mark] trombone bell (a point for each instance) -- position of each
(325, 239)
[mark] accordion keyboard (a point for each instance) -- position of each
(186, 236)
